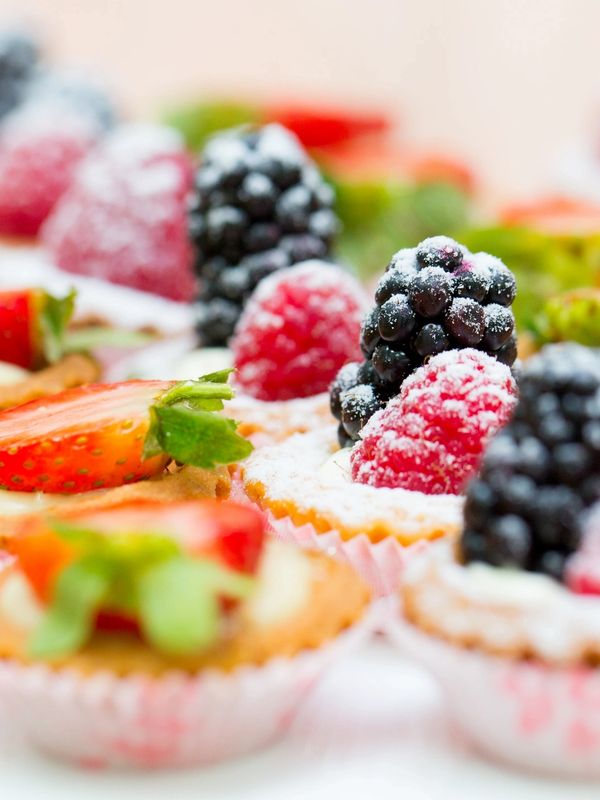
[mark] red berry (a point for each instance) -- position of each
(39, 153)
(582, 571)
(124, 216)
(431, 438)
(300, 326)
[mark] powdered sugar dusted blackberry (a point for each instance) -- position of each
(432, 436)
(300, 326)
(500, 610)
(123, 218)
(290, 474)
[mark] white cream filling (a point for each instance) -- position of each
(15, 503)
(18, 603)
(11, 374)
(285, 578)
(337, 466)
(202, 362)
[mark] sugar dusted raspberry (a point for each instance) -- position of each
(582, 570)
(300, 326)
(431, 438)
(39, 152)
(124, 217)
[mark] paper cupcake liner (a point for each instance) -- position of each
(528, 714)
(380, 564)
(173, 721)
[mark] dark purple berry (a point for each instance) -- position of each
(465, 321)
(440, 251)
(430, 340)
(396, 319)
(430, 291)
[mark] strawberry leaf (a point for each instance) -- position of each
(54, 318)
(80, 591)
(194, 436)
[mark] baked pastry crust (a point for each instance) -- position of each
(72, 370)
(268, 422)
(173, 485)
(501, 612)
(285, 480)
(337, 599)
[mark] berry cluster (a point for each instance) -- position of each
(543, 470)
(432, 298)
(259, 205)
(18, 59)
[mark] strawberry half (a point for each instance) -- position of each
(105, 435)
(32, 326)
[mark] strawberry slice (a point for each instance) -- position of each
(32, 326)
(228, 532)
(105, 435)
(326, 126)
(555, 215)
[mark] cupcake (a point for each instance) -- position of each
(414, 416)
(165, 634)
(97, 445)
(508, 618)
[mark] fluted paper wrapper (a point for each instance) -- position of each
(528, 714)
(380, 564)
(174, 721)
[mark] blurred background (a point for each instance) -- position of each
(504, 84)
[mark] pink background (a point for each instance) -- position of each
(505, 83)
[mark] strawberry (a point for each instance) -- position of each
(162, 572)
(32, 326)
(104, 435)
(230, 533)
(326, 126)
(555, 214)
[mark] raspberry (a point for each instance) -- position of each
(300, 326)
(431, 438)
(124, 217)
(39, 152)
(582, 570)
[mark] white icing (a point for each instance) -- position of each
(18, 603)
(10, 374)
(290, 471)
(121, 306)
(15, 503)
(284, 585)
(337, 466)
(502, 607)
(202, 361)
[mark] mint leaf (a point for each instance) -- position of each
(203, 393)
(54, 317)
(178, 611)
(197, 437)
(178, 602)
(80, 591)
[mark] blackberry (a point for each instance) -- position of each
(73, 91)
(435, 297)
(18, 58)
(258, 205)
(542, 470)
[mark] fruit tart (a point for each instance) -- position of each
(160, 635)
(508, 617)
(414, 416)
(96, 445)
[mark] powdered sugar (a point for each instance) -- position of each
(300, 326)
(291, 473)
(124, 219)
(432, 436)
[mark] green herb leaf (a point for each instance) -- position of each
(178, 603)
(83, 339)
(80, 591)
(54, 317)
(196, 437)
(203, 393)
